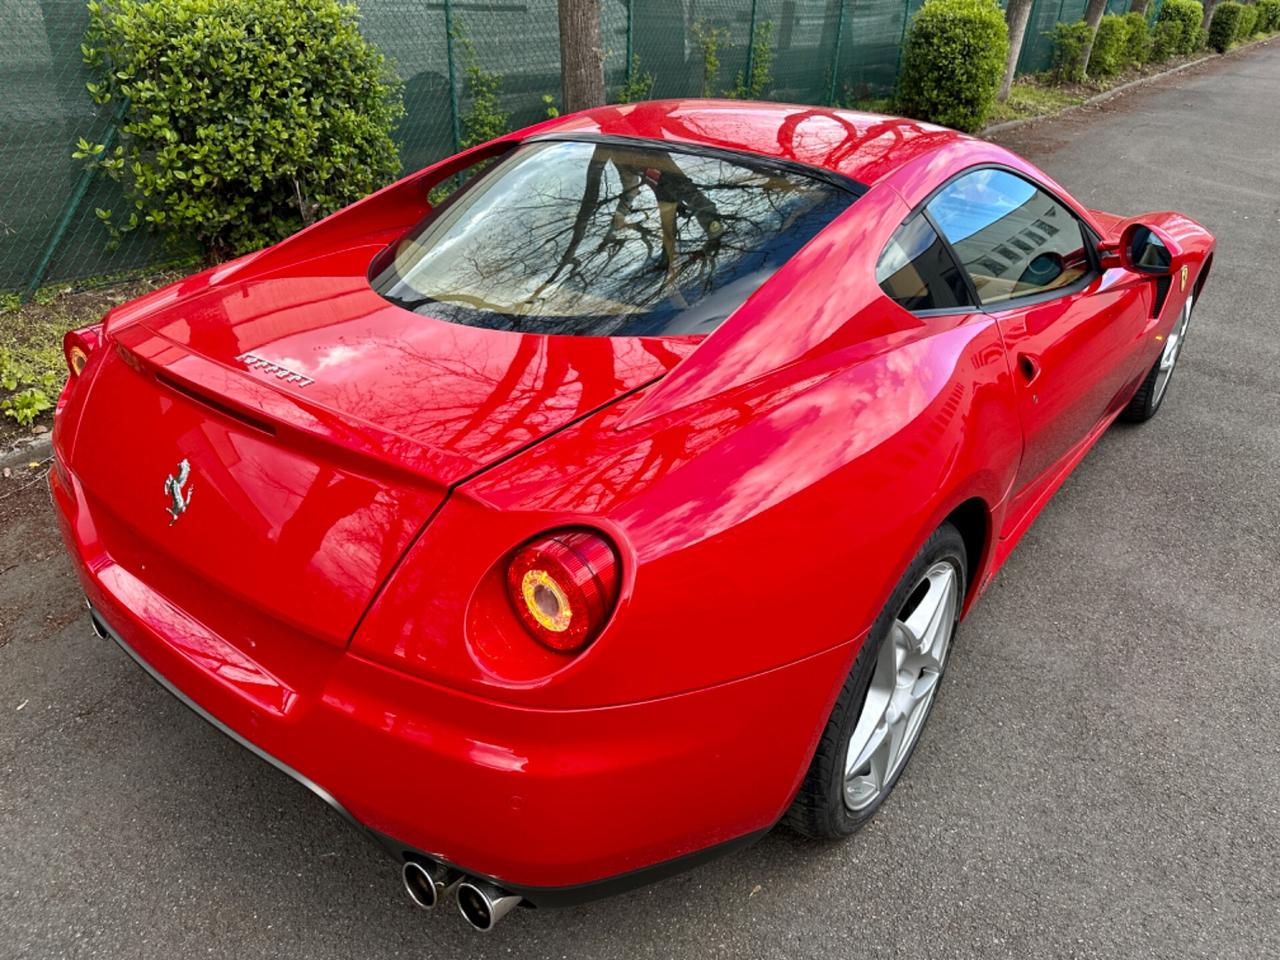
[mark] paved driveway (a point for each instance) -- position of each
(1101, 776)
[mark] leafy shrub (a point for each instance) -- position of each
(1248, 22)
(1223, 26)
(755, 86)
(709, 40)
(1069, 41)
(953, 62)
(29, 388)
(1166, 40)
(241, 120)
(1108, 56)
(640, 85)
(1137, 39)
(1189, 13)
(1268, 16)
(484, 119)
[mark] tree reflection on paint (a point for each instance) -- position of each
(607, 239)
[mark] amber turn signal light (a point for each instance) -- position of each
(78, 344)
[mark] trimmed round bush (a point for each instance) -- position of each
(1069, 41)
(1248, 22)
(1166, 40)
(1137, 39)
(1108, 55)
(1190, 14)
(1223, 26)
(243, 120)
(953, 62)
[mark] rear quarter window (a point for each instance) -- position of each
(917, 270)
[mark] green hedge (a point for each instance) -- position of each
(1166, 39)
(1190, 14)
(1223, 26)
(1137, 38)
(1268, 16)
(1108, 55)
(243, 119)
(1248, 24)
(1069, 41)
(953, 62)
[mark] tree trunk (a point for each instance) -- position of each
(1138, 6)
(1092, 16)
(1016, 16)
(581, 55)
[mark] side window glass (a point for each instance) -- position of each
(916, 270)
(1012, 238)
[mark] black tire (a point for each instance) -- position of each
(1144, 404)
(819, 808)
(1147, 401)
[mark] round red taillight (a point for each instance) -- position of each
(563, 587)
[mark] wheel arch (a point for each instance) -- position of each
(1204, 274)
(972, 518)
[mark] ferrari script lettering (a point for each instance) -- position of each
(255, 362)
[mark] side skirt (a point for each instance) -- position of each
(1017, 525)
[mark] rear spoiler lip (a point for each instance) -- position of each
(303, 424)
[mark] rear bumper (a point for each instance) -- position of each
(558, 805)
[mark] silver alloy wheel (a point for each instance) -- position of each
(903, 684)
(1172, 347)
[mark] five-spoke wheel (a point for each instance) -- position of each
(903, 684)
(882, 707)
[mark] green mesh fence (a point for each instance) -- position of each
(824, 51)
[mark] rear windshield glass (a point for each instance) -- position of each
(606, 239)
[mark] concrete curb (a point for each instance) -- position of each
(986, 132)
(27, 449)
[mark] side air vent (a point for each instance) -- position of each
(1163, 284)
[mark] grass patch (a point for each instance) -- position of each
(31, 365)
(868, 104)
(1032, 97)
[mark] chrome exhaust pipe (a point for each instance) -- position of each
(427, 882)
(484, 904)
(98, 632)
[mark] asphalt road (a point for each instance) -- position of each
(1101, 777)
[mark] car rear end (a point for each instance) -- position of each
(256, 480)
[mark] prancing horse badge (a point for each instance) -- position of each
(179, 500)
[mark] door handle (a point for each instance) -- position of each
(1029, 367)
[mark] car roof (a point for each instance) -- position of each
(862, 146)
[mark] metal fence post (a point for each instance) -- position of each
(630, 38)
(751, 48)
(902, 38)
(454, 119)
(835, 56)
(72, 205)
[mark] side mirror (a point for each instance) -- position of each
(1142, 247)
(1144, 250)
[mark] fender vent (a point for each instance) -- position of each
(1163, 285)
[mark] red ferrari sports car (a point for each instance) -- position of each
(623, 502)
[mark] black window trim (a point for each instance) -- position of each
(1088, 235)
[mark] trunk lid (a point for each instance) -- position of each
(321, 426)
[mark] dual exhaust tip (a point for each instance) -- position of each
(482, 903)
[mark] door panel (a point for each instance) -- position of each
(1070, 357)
(1070, 330)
